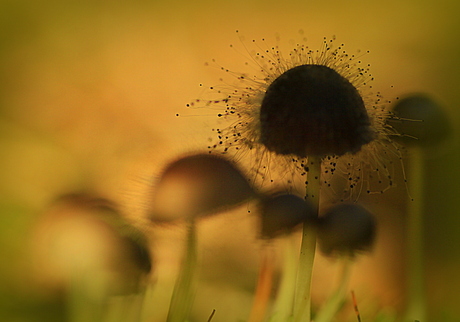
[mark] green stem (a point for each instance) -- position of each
(183, 294)
(87, 302)
(333, 304)
(125, 308)
(416, 292)
(283, 306)
(302, 305)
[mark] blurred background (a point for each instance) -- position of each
(88, 101)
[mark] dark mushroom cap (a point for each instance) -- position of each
(420, 121)
(346, 229)
(280, 214)
(313, 110)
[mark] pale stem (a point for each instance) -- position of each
(302, 305)
(283, 306)
(332, 306)
(87, 296)
(125, 308)
(183, 294)
(416, 291)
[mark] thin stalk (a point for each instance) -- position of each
(183, 294)
(302, 305)
(125, 308)
(86, 299)
(264, 286)
(333, 304)
(283, 306)
(416, 308)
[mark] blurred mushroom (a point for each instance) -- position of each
(198, 185)
(346, 229)
(82, 246)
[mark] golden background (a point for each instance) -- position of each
(90, 89)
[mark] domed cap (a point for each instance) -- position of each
(198, 185)
(346, 229)
(313, 110)
(281, 213)
(420, 121)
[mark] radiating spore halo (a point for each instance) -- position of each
(368, 170)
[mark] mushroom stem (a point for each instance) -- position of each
(282, 309)
(183, 294)
(86, 302)
(329, 309)
(302, 305)
(416, 308)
